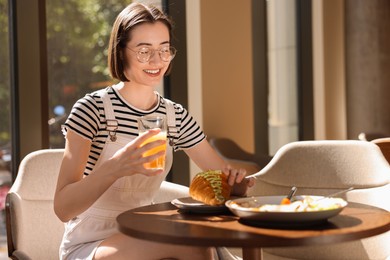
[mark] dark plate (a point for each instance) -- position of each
(188, 204)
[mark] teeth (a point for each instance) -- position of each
(152, 71)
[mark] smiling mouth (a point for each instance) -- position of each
(152, 71)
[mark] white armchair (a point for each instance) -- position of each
(324, 167)
(33, 229)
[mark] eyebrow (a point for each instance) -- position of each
(148, 44)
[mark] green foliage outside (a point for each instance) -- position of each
(77, 39)
(78, 32)
(4, 76)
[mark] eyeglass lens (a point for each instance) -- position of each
(166, 54)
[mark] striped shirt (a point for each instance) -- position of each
(88, 120)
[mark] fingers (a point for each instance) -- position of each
(150, 152)
(152, 157)
(236, 179)
(136, 149)
(135, 154)
(251, 182)
(140, 163)
(149, 159)
(234, 175)
(157, 145)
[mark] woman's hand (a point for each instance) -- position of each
(236, 179)
(129, 160)
(207, 158)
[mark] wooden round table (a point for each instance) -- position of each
(165, 223)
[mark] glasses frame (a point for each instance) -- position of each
(138, 53)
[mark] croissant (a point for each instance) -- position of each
(210, 187)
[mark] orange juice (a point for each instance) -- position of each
(158, 163)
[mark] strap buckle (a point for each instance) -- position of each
(172, 131)
(111, 127)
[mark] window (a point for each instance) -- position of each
(282, 73)
(78, 32)
(5, 120)
(5, 112)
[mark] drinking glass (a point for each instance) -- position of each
(146, 123)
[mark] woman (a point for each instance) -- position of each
(102, 172)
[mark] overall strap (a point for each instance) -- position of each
(111, 122)
(173, 130)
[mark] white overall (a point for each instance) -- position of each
(84, 233)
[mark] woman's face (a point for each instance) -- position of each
(148, 35)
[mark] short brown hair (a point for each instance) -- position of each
(133, 15)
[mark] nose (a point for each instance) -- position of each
(155, 58)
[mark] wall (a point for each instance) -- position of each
(227, 70)
(219, 54)
(224, 67)
(194, 65)
(367, 33)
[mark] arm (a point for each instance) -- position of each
(205, 157)
(208, 159)
(74, 194)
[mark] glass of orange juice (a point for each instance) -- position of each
(146, 123)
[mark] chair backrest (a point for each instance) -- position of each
(323, 167)
(33, 229)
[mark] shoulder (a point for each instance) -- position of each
(98, 94)
(93, 100)
(179, 109)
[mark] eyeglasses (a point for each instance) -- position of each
(144, 54)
